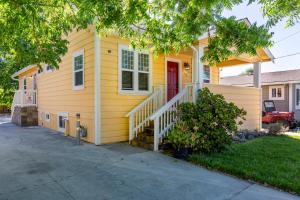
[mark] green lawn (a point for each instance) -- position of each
(274, 160)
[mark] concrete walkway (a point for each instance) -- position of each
(5, 118)
(37, 163)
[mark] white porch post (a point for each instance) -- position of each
(22, 97)
(257, 84)
(198, 52)
(290, 97)
(257, 75)
(201, 65)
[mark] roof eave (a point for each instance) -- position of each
(22, 71)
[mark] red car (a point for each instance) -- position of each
(271, 115)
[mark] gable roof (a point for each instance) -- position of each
(269, 78)
(29, 67)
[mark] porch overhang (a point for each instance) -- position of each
(24, 70)
(262, 55)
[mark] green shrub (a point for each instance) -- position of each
(205, 125)
(182, 137)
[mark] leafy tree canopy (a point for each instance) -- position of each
(278, 10)
(32, 30)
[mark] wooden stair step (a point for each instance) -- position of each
(144, 145)
(145, 138)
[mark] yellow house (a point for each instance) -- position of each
(119, 91)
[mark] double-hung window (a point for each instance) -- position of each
(143, 72)
(78, 70)
(297, 96)
(134, 71)
(206, 70)
(25, 84)
(276, 92)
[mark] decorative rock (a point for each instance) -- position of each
(244, 135)
(25, 116)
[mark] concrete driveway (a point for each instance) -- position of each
(37, 163)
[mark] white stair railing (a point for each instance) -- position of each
(166, 117)
(139, 117)
(24, 98)
(16, 100)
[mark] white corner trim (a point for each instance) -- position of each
(166, 74)
(97, 98)
(75, 54)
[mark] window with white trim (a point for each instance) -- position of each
(297, 96)
(47, 116)
(276, 92)
(34, 83)
(134, 71)
(206, 77)
(78, 70)
(24, 84)
(49, 68)
(41, 116)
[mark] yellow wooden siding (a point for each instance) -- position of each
(55, 89)
(114, 106)
(244, 97)
(215, 75)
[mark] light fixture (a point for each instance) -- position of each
(186, 66)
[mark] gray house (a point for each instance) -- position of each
(283, 87)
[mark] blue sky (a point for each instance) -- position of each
(285, 47)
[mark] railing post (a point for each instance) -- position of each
(161, 95)
(131, 127)
(22, 97)
(156, 132)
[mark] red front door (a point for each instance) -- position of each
(173, 82)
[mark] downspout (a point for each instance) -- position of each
(97, 87)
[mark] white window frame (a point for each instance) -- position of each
(24, 80)
(75, 54)
(34, 81)
(209, 78)
(276, 87)
(297, 86)
(47, 120)
(47, 70)
(63, 114)
(135, 70)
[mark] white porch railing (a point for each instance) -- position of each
(139, 117)
(166, 117)
(24, 98)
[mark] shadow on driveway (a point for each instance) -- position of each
(38, 163)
